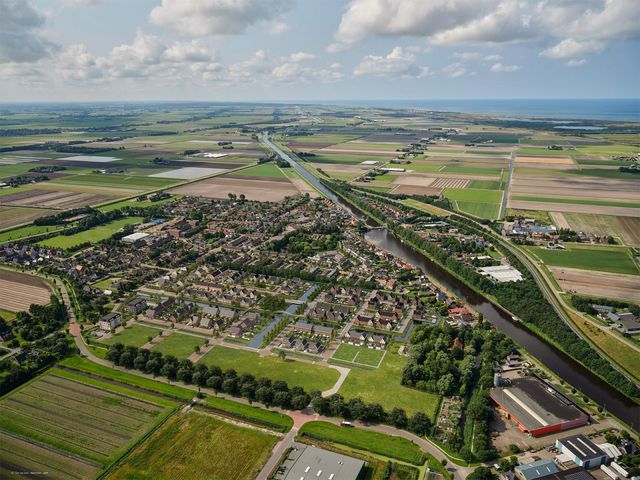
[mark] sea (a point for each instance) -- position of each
(617, 109)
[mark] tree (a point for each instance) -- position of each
(398, 418)
(419, 423)
(482, 473)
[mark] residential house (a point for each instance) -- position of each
(110, 321)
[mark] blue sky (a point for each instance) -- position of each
(56, 50)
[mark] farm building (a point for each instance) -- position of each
(537, 408)
(535, 470)
(502, 273)
(318, 464)
(582, 451)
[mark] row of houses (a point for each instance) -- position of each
(371, 340)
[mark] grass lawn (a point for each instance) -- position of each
(588, 257)
(195, 446)
(577, 201)
(107, 283)
(378, 443)
(310, 377)
(382, 385)
(6, 314)
(358, 355)
(473, 195)
(136, 336)
(93, 235)
(385, 178)
(265, 170)
(26, 231)
(179, 345)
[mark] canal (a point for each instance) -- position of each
(554, 359)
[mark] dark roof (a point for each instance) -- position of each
(576, 473)
(582, 447)
(109, 316)
(531, 402)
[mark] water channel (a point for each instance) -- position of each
(555, 360)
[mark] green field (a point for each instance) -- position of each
(261, 416)
(106, 284)
(26, 232)
(135, 203)
(358, 355)
(480, 210)
(265, 170)
(379, 443)
(485, 184)
(598, 258)
(195, 446)
(473, 195)
(473, 170)
(179, 345)
(117, 181)
(94, 420)
(93, 235)
(346, 158)
(310, 377)
(382, 385)
(335, 138)
(136, 336)
(577, 201)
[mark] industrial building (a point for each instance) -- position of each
(576, 473)
(502, 273)
(582, 451)
(537, 408)
(535, 470)
(319, 464)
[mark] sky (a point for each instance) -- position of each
(278, 50)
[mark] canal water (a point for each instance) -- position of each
(555, 360)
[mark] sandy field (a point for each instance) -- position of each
(52, 198)
(567, 207)
(601, 284)
(450, 183)
(254, 188)
(25, 290)
(416, 190)
(559, 221)
(304, 187)
(575, 186)
(544, 160)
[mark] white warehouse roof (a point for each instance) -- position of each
(134, 237)
(502, 273)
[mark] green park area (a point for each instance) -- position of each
(382, 385)
(358, 355)
(295, 373)
(93, 235)
(599, 258)
(180, 345)
(135, 336)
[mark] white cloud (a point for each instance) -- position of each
(490, 22)
(301, 56)
(499, 67)
(82, 3)
(20, 37)
(476, 56)
(397, 63)
(215, 17)
(454, 70)
(570, 48)
(575, 62)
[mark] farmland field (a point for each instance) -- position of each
(599, 258)
(179, 345)
(310, 377)
(266, 189)
(265, 170)
(136, 336)
(93, 235)
(93, 420)
(26, 231)
(118, 181)
(25, 290)
(11, 216)
(366, 384)
(358, 355)
(196, 446)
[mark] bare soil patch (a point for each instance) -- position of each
(600, 284)
(415, 180)
(53, 198)
(304, 187)
(629, 228)
(254, 188)
(417, 190)
(25, 290)
(10, 216)
(544, 160)
(567, 207)
(451, 183)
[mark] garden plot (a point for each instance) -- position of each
(65, 412)
(25, 290)
(189, 173)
